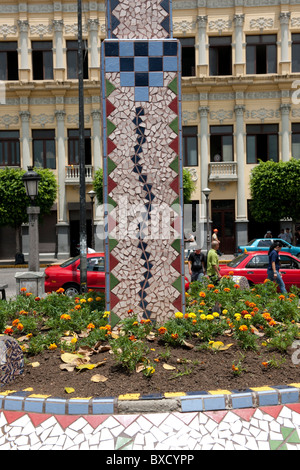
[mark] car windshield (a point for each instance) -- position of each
(251, 242)
(236, 261)
(69, 261)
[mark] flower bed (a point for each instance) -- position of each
(228, 336)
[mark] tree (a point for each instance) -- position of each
(275, 189)
(188, 185)
(14, 202)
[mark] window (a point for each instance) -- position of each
(72, 59)
(261, 54)
(295, 53)
(288, 263)
(258, 262)
(262, 142)
(9, 61)
(220, 55)
(44, 149)
(221, 143)
(73, 146)
(188, 57)
(42, 60)
(296, 141)
(9, 148)
(190, 145)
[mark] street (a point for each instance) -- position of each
(7, 276)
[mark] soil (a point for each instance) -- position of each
(193, 370)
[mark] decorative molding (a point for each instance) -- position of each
(221, 115)
(193, 173)
(220, 25)
(41, 30)
(7, 30)
(189, 116)
(42, 119)
(184, 26)
(7, 120)
(261, 23)
(74, 119)
(262, 114)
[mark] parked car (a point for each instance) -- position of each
(67, 275)
(254, 265)
(263, 244)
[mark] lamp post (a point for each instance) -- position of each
(206, 193)
(31, 181)
(92, 195)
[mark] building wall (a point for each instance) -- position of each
(238, 99)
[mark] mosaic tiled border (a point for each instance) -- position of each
(201, 401)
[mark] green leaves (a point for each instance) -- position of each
(274, 190)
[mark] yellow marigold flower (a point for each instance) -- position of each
(74, 340)
(106, 314)
(52, 346)
(82, 301)
(192, 315)
(209, 317)
(90, 299)
(202, 317)
(98, 299)
(215, 314)
(225, 311)
(178, 315)
(243, 328)
(248, 316)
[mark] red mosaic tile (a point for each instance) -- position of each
(245, 413)
(272, 410)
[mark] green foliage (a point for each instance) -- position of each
(98, 185)
(274, 190)
(13, 199)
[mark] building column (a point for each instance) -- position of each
(284, 18)
(239, 56)
(285, 132)
(202, 53)
(241, 209)
(62, 227)
(58, 41)
(24, 70)
(204, 162)
(25, 139)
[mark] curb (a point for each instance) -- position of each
(214, 400)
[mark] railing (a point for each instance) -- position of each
(222, 171)
(73, 173)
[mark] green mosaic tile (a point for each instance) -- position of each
(174, 86)
(174, 126)
(110, 165)
(110, 127)
(175, 165)
(109, 87)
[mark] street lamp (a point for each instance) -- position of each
(92, 195)
(206, 193)
(31, 181)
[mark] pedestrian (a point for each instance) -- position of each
(212, 269)
(215, 238)
(281, 235)
(297, 236)
(196, 264)
(188, 240)
(288, 237)
(268, 234)
(274, 266)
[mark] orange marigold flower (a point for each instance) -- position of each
(91, 326)
(272, 323)
(265, 364)
(37, 299)
(65, 316)
(8, 331)
(23, 289)
(132, 338)
(60, 290)
(77, 307)
(236, 286)
(20, 327)
(234, 368)
(281, 297)
(210, 286)
(28, 294)
(174, 335)
(216, 291)
(52, 346)
(231, 273)
(244, 312)
(15, 322)
(226, 289)
(243, 328)
(202, 294)
(162, 330)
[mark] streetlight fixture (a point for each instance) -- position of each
(92, 195)
(206, 193)
(31, 181)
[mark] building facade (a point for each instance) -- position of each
(240, 82)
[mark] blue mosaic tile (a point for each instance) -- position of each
(242, 400)
(288, 394)
(192, 403)
(126, 48)
(13, 403)
(214, 402)
(127, 79)
(77, 407)
(170, 64)
(55, 406)
(141, 94)
(155, 48)
(141, 64)
(103, 405)
(268, 398)
(112, 64)
(34, 405)
(156, 79)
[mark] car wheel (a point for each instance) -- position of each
(71, 289)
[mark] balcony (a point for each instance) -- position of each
(73, 174)
(222, 171)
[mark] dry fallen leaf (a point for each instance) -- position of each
(35, 364)
(99, 378)
(168, 367)
(89, 366)
(69, 357)
(69, 390)
(68, 367)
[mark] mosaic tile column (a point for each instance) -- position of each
(141, 98)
